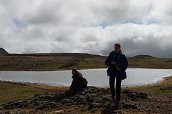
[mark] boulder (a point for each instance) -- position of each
(59, 96)
(17, 104)
(129, 105)
(135, 95)
(45, 105)
(66, 101)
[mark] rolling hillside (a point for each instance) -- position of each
(146, 61)
(64, 61)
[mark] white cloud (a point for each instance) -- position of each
(87, 26)
(162, 11)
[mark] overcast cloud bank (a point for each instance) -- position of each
(87, 26)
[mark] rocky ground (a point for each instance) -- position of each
(92, 100)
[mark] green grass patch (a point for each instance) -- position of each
(161, 88)
(16, 93)
(12, 92)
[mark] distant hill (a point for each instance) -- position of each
(143, 56)
(64, 61)
(147, 61)
(57, 54)
(3, 51)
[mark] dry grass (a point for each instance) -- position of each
(17, 91)
(158, 88)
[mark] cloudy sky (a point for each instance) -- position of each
(87, 26)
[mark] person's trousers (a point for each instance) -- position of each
(115, 89)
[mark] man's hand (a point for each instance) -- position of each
(118, 68)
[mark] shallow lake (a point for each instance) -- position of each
(95, 77)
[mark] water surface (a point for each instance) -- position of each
(95, 77)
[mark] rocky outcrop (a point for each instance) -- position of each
(135, 95)
(3, 52)
(91, 98)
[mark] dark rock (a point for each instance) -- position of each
(135, 95)
(3, 52)
(142, 95)
(17, 104)
(84, 102)
(126, 91)
(80, 99)
(39, 102)
(46, 97)
(1, 107)
(59, 96)
(65, 101)
(45, 105)
(94, 105)
(129, 105)
(106, 98)
(36, 95)
(166, 88)
(98, 100)
(106, 104)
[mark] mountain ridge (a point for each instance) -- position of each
(3, 51)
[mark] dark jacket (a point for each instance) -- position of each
(122, 63)
(77, 83)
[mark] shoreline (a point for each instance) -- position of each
(65, 86)
(85, 68)
(55, 84)
(145, 99)
(157, 83)
(164, 78)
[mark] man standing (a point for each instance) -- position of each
(117, 63)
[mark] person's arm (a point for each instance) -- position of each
(73, 84)
(123, 64)
(109, 61)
